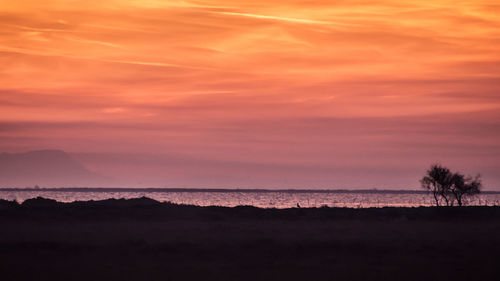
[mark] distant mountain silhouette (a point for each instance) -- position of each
(44, 168)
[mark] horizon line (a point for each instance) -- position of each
(247, 190)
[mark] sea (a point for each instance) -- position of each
(248, 197)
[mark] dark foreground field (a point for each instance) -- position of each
(142, 239)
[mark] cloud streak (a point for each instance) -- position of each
(267, 17)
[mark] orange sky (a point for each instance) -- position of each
(274, 93)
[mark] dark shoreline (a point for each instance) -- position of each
(151, 209)
(142, 239)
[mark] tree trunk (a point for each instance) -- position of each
(445, 198)
(436, 198)
(457, 196)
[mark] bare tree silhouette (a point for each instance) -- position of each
(465, 186)
(447, 187)
(438, 181)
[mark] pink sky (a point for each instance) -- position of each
(255, 94)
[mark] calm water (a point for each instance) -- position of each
(274, 199)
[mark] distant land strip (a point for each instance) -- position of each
(123, 189)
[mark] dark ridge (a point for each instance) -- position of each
(149, 209)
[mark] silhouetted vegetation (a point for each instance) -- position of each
(448, 188)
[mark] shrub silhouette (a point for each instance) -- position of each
(447, 187)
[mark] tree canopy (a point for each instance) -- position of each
(448, 188)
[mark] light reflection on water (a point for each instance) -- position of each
(273, 199)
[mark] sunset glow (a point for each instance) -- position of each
(251, 93)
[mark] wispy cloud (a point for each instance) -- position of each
(87, 41)
(278, 18)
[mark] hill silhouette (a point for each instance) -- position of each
(44, 168)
